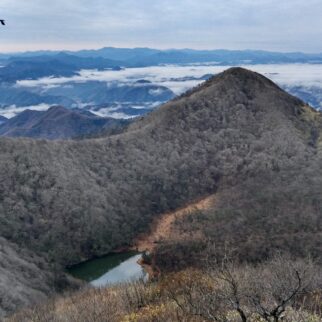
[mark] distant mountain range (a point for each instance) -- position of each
(97, 92)
(128, 94)
(147, 56)
(32, 65)
(20, 96)
(93, 94)
(58, 123)
(61, 64)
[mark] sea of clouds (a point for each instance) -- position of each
(284, 74)
(307, 77)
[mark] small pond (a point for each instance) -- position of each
(110, 269)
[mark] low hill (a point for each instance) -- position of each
(58, 123)
(238, 135)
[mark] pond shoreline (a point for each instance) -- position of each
(113, 252)
(110, 269)
(160, 228)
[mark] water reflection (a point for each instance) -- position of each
(110, 269)
(129, 270)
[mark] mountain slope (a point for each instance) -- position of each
(22, 69)
(12, 95)
(57, 123)
(61, 64)
(96, 92)
(69, 201)
(3, 119)
(22, 281)
(232, 124)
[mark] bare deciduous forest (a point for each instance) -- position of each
(238, 135)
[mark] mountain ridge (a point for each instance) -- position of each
(237, 136)
(58, 123)
(138, 54)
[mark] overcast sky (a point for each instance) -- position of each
(277, 25)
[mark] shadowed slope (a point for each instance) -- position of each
(57, 123)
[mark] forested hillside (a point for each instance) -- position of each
(237, 135)
(59, 123)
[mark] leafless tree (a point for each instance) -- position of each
(264, 290)
(279, 284)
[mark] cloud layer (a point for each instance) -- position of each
(303, 80)
(235, 24)
(171, 76)
(13, 110)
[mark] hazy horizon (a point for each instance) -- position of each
(268, 25)
(153, 48)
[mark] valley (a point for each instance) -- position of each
(161, 161)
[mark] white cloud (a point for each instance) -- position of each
(283, 74)
(105, 112)
(289, 76)
(13, 110)
(236, 24)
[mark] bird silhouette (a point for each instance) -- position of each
(2, 22)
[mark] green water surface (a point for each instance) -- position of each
(94, 269)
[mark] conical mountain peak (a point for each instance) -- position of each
(238, 77)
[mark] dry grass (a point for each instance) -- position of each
(163, 226)
(190, 295)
